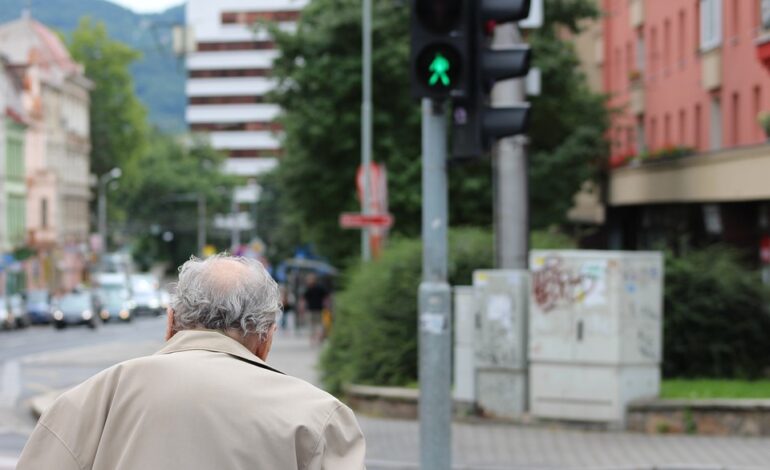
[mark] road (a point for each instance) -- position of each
(37, 360)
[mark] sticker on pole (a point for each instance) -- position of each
(433, 323)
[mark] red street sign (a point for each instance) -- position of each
(355, 220)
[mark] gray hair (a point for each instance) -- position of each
(213, 296)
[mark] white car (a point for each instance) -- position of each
(6, 319)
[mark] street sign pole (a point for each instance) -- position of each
(435, 320)
(366, 123)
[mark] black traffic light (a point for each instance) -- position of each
(440, 49)
(475, 123)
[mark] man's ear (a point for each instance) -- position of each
(170, 331)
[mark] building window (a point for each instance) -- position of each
(735, 120)
(697, 127)
(667, 46)
(640, 144)
(44, 213)
(618, 71)
(682, 37)
(758, 131)
(710, 24)
(715, 130)
(682, 127)
(736, 26)
(667, 130)
(653, 134)
(654, 52)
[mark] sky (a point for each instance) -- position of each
(148, 6)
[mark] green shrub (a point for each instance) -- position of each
(715, 319)
(374, 337)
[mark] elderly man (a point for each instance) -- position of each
(207, 400)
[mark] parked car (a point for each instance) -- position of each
(38, 304)
(7, 321)
(145, 295)
(75, 308)
(115, 304)
(19, 311)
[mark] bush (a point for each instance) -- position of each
(715, 323)
(374, 338)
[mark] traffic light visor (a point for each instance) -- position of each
(439, 16)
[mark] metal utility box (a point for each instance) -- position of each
(595, 331)
(464, 311)
(500, 351)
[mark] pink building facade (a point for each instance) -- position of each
(692, 66)
(687, 84)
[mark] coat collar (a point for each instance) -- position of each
(215, 341)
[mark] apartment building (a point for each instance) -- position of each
(229, 76)
(55, 99)
(690, 160)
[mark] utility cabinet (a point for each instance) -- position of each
(500, 351)
(595, 330)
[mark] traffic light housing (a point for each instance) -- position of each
(441, 48)
(475, 123)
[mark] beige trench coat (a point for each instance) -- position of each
(203, 402)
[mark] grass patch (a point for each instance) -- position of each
(715, 388)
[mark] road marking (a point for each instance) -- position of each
(8, 462)
(10, 384)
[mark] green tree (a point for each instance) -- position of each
(118, 119)
(160, 195)
(320, 74)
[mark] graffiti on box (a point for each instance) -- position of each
(556, 285)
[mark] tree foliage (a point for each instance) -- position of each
(160, 195)
(118, 119)
(320, 91)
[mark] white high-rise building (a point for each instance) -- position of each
(229, 74)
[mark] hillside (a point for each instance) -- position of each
(159, 76)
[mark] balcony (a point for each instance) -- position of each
(711, 61)
(737, 174)
(636, 99)
(636, 13)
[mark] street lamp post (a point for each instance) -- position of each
(113, 174)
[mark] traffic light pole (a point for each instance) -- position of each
(435, 320)
(366, 124)
(510, 171)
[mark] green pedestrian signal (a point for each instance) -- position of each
(439, 69)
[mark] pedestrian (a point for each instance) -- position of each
(315, 300)
(207, 400)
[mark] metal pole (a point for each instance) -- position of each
(201, 223)
(366, 122)
(102, 212)
(511, 178)
(235, 233)
(511, 189)
(435, 322)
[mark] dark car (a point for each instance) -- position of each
(75, 308)
(115, 304)
(39, 306)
